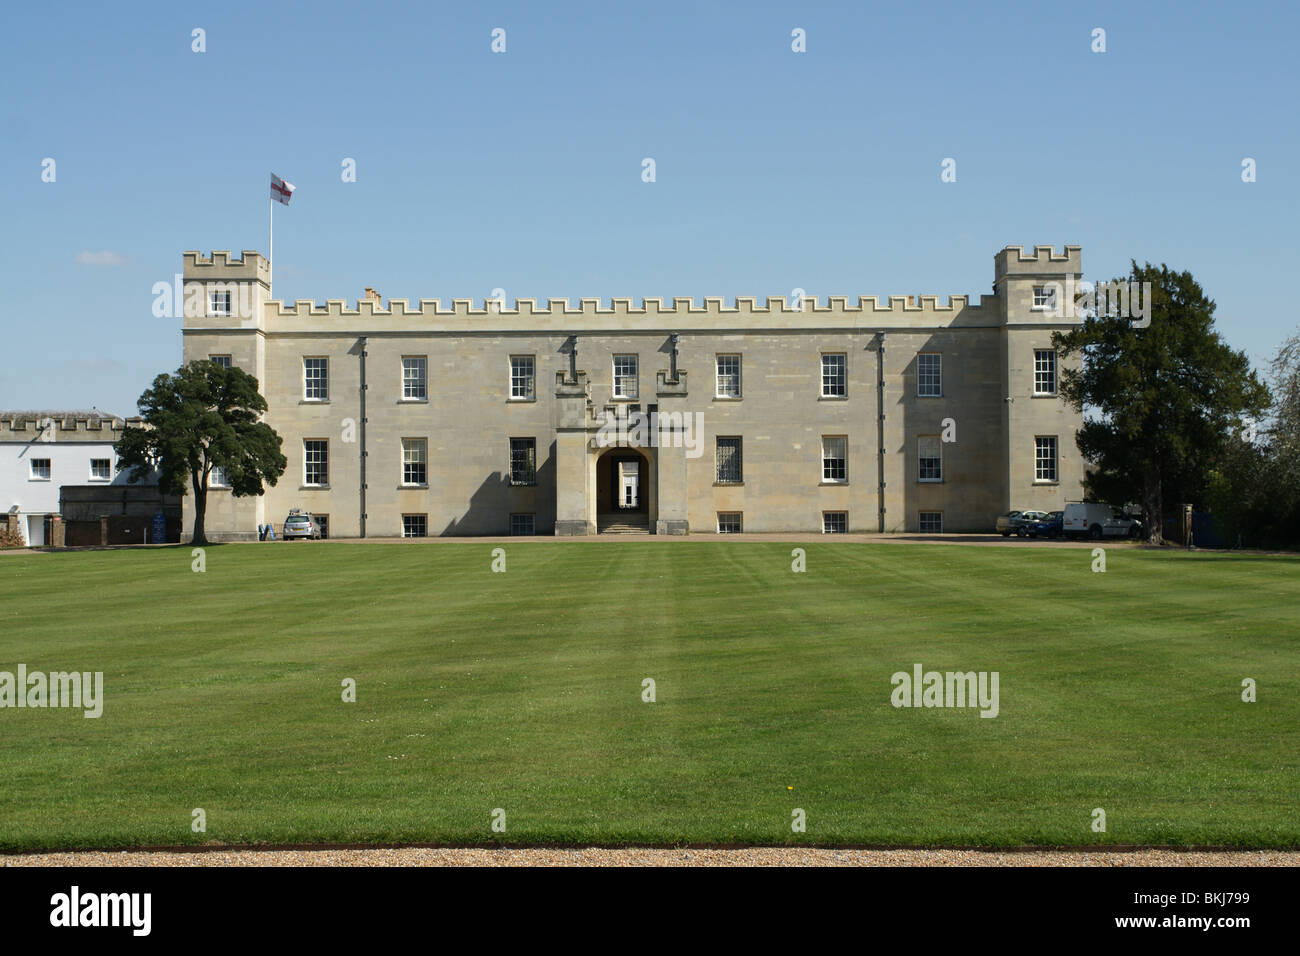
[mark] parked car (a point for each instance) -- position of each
(300, 524)
(1049, 527)
(1017, 522)
(1097, 521)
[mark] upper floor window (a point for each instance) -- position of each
(101, 469)
(415, 461)
(929, 458)
(1045, 458)
(222, 360)
(523, 461)
(1044, 297)
(835, 375)
(414, 377)
(1044, 372)
(728, 376)
(522, 378)
(625, 383)
(40, 469)
(730, 466)
(929, 375)
(219, 302)
(835, 458)
(217, 478)
(315, 379)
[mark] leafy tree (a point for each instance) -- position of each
(1162, 400)
(1284, 433)
(203, 417)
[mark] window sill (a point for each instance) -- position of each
(929, 481)
(1043, 395)
(919, 395)
(1047, 481)
(406, 487)
(833, 398)
(413, 401)
(38, 479)
(833, 484)
(523, 484)
(314, 401)
(512, 400)
(624, 398)
(727, 398)
(313, 487)
(728, 484)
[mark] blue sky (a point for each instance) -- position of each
(522, 170)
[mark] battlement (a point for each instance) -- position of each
(651, 306)
(1043, 261)
(650, 312)
(250, 264)
(63, 426)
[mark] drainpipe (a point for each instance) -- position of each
(363, 435)
(880, 424)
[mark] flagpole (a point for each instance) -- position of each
(270, 254)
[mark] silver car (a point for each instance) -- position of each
(1017, 522)
(300, 524)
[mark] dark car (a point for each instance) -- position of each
(1049, 527)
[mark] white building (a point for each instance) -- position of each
(40, 451)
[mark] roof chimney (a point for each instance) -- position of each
(373, 296)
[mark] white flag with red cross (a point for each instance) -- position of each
(280, 189)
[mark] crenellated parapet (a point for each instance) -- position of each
(371, 313)
(648, 313)
(63, 426)
(678, 307)
(1043, 262)
(221, 266)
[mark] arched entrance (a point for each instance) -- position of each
(625, 490)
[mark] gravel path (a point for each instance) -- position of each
(599, 856)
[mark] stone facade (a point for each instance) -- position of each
(963, 385)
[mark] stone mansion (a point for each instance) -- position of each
(824, 415)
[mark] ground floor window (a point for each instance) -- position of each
(730, 469)
(415, 526)
(322, 522)
(415, 457)
(932, 522)
(835, 522)
(523, 461)
(729, 522)
(316, 461)
(523, 524)
(1045, 458)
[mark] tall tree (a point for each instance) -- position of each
(1163, 399)
(1284, 432)
(203, 417)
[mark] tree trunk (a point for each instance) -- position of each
(1153, 509)
(200, 509)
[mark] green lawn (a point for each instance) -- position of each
(522, 691)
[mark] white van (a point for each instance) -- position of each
(1091, 520)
